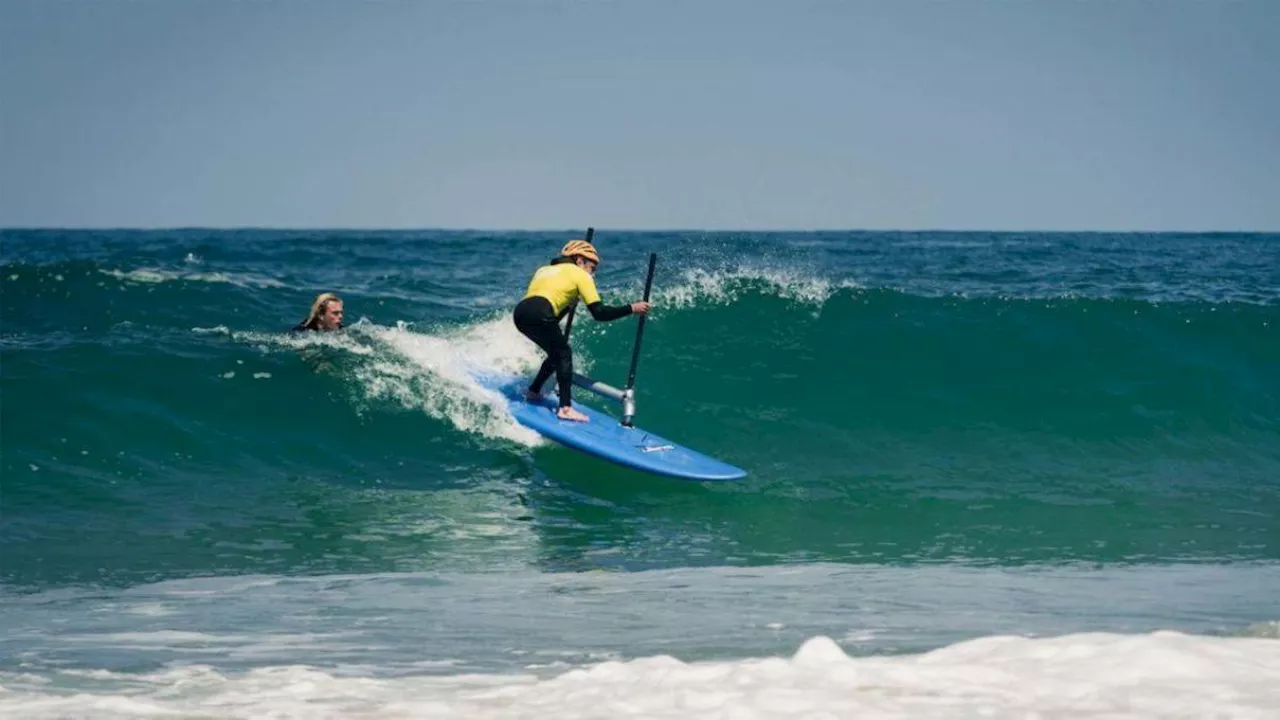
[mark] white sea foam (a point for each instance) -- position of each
(155, 276)
(426, 371)
(291, 341)
(698, 286)
(1092, 675)
(432, 372)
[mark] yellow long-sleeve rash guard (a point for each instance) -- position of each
(564, 283)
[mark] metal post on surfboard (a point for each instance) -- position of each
(628, 394)
(568, 324)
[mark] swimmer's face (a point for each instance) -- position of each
(331, 318)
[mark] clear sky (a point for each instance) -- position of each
(729, 114)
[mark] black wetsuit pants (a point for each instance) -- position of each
(536, 320)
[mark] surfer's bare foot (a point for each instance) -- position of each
(568, 413)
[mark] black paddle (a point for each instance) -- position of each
(635, 352)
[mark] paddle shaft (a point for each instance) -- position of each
(635, 352)
(568, 324)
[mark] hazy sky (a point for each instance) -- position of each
(734, 114)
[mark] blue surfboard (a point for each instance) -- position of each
(605, 437)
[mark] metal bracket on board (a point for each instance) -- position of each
(627, 397)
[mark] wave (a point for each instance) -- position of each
(779, 344)
(1014, 426)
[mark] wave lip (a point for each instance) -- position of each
(697, 286)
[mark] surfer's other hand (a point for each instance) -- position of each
(640, 308)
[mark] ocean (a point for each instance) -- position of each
(998, 475)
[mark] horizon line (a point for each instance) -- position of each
(598, 228)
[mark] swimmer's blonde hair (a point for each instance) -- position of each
(319, 306)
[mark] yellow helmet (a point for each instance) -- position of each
(581, 248)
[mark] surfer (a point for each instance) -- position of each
(553, 291)
(326, 315)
